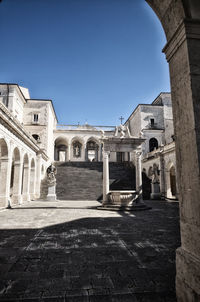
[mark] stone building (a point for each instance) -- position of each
(31, 138)
(154, 123)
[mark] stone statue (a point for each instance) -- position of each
(154, 174)
(77, 150)
(122, 131)
(102, 134)
(51, 172)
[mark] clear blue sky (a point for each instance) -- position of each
(96, 59)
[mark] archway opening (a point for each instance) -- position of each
(15, 177)
(3, 172)
(153, 144)
(60, 151)
(172, 173)
(92, 149)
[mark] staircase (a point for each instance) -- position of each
(83, 180)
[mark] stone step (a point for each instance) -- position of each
(84, 180)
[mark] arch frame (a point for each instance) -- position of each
(181, 22)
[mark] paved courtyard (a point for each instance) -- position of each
(70, 251)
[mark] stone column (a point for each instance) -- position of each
(99, 153)
(69, 152)
(17, 184)
(162, 175)
(26, 183)
(38, 175)
(86, 152)
(138, 175)
(32, 183)
(105, 176)
(5, 182)
(183, 55)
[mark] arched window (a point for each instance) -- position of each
(36, 137)
(153, 144)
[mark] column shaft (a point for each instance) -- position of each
(105, 176)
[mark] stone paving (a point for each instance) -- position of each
(70, 251)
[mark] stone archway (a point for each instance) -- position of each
(173, 181)
(171, 187)
(61, 149)
(4, 173)
(153, 144)
(92, 150)
(181, 22)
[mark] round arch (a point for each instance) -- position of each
(181, 22)
(3, 148)
(60, 149)
(92, 149)
(153, 144)
(4, 173)
(171, 186)
(15, 176)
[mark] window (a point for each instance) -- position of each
(36, 137)
(153, 144)
(35, 118)
(152, 122)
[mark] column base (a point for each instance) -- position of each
(3, 201)
(187, 277)
(32, 196)
(51, 197)
(26, 197)
(155, 196)
(16, 199)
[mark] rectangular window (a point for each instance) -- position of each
(152, 121)
(35, 118)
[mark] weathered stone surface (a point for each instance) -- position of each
(69, 251)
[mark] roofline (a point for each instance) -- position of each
(46, 100)
(137, 108)
(145, 105)
(160, 95)
(17, 86)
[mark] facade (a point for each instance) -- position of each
(31, 139)
(80, 142)
(154, 123)
(22, 161)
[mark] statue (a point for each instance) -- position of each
(77, 149)
(102, 133)
(51, 172)
(154, 174)
(122, 131)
